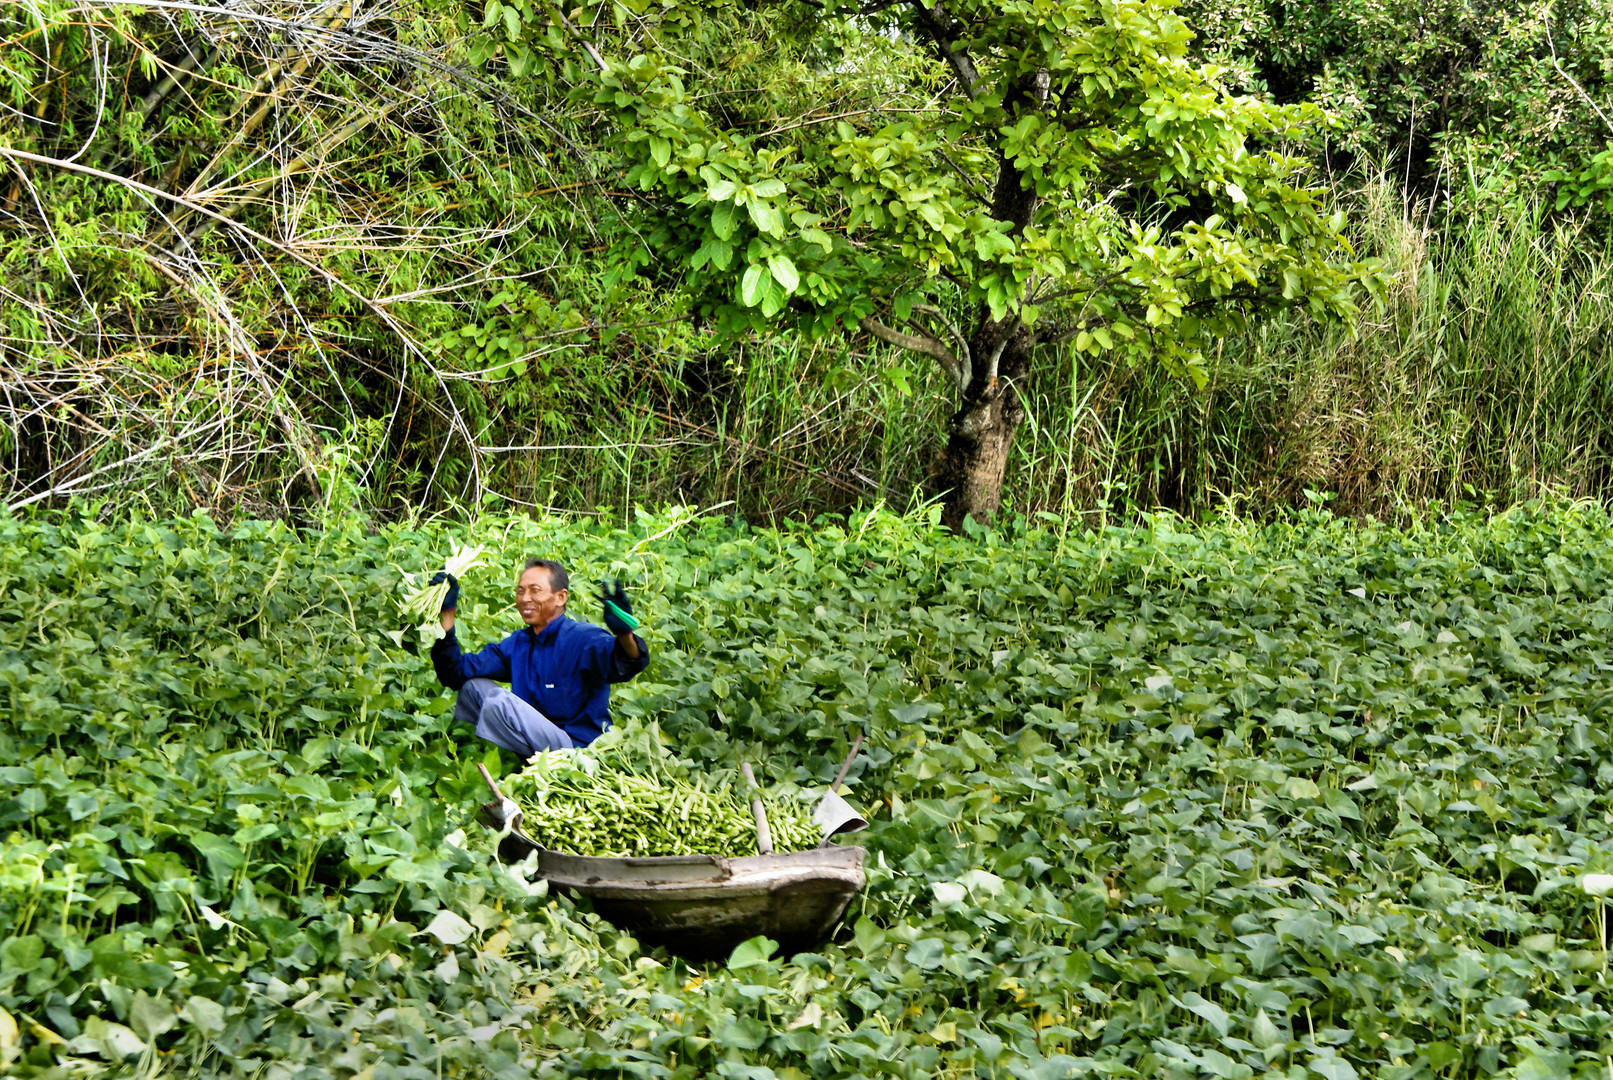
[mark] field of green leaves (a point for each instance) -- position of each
(1307, 799)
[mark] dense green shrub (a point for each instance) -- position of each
(460, 193)
(1486, 104)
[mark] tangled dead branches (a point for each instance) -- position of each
(231, 235)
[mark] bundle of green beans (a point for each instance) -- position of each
(614, 810)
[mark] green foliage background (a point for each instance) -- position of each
(424, 311)
(1481, 105)
(1275, 795)
(1304, 799)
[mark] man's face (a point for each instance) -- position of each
(537, 603)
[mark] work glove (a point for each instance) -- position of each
(618, 612)
(451, 601)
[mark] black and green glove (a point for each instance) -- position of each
(618, 611)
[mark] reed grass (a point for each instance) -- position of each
(1484, 378)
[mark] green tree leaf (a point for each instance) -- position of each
(753, 286)
(783, 271)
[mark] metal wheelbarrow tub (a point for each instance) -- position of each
(701, 906)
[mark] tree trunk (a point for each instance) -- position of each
(981, 433)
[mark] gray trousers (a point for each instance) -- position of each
(505, 720)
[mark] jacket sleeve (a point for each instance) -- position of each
(606, 661)
(620, 667)
(454, 668)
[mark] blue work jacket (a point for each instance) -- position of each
(563, 671)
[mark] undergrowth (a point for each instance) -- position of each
(1306, 799)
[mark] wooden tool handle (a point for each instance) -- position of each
(856, 744)
(764, 835)
(497, 794)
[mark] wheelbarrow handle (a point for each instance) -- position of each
(497, 794)
(764, 835)
(845, 767)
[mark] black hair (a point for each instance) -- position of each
(558, 578)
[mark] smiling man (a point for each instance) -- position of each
(559, 669)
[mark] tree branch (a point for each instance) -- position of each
(965, 358)
(296, 431)
(968, 181)
(409, 344)
(303, 162)
(1078, 290)
(997, 353)
(59, 489)
(588, 46)
(935, 22)
(1558, 64)
(920, 343)
(170, 82)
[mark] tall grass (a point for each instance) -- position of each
(775, 428)
(1485, 377)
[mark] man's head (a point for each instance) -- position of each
(541, 592)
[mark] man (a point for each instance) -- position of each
(559, 669)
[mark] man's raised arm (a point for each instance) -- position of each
(619, 618)
(452, 666)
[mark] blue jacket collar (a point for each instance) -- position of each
(546, 635)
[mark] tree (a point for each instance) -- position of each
(989, 184)
(1472, 104)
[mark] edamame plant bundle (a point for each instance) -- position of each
(420, 598)
(600, 803)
